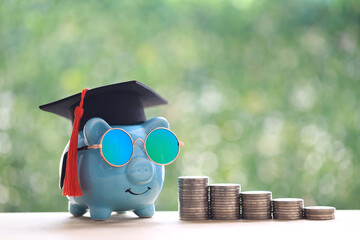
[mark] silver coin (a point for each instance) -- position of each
(255, 201)
(224, 189)
(288, 212)
(224, 197)
(319, 215)
(256, 217)
(256, 205)
(284, 201)
(225, 194)
(224, 209)
(322, 217)
(255, 193)
(218, 216)
(256, 210)
(288, 215)
(234, 213)
(255, 196)
(193, 219)
(198, 189)
(250, 215)
(286, 218)
(225, 204)
(185, 178)
(225, 218)
(319, 209)
(224, 214)
(224, 200)
(226, 185)
(289, 207)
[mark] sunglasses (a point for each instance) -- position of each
(116, 146)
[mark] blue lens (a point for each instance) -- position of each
(117, 147)
(162, 146)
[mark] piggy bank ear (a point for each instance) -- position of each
(94, 129)
(155, 123)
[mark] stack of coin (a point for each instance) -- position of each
(256, 205)
(319, 213)
(193, 198)
(288, 208)
(224, 201)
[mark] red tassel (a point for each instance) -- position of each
(71, 185)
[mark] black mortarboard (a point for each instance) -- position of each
(118, 104)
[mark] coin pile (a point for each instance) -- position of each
(224, 201)
(256, 205)
(193, 198)
(288, 208)
(319, 213)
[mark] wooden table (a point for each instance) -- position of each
(166, 225)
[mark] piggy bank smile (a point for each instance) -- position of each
(133, 193)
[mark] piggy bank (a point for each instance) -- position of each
(106, 188)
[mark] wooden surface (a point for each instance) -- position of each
(166, 225)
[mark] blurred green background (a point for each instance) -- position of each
(263, 93)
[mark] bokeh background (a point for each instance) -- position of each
(263, 93)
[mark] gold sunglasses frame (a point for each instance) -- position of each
(99, 146)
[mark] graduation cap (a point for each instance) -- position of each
(118, 104)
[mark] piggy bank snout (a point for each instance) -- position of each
(140, 171)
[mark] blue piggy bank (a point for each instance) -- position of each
(105, 188)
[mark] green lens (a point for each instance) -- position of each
(117, 147)
(162, 146)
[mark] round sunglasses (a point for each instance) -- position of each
(116, 146)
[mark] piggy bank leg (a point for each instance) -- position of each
(100, 213)
(145, 212)
(77, 210)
